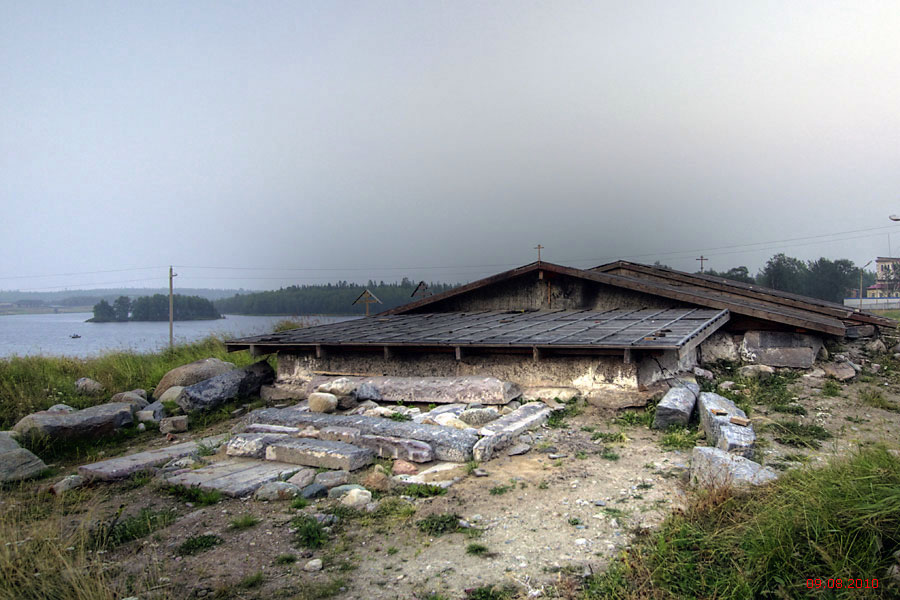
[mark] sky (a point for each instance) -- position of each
(260, 144)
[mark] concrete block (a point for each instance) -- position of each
(235, 477)
(320, 453)
(527, 416)
(715, 414)
(676, 406)
(348, 435)
(252, 445)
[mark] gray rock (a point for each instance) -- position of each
(320, 402)
(136, 401)
(152, 413)
(720, 346)
(8, 441)
(485, 448)
(705, 374)
(842, 371)
(277, 490)
(781, 349)
(712, 467)
(726, 385)
(88, 387)
(313, 491)
(252, 445)
(518, 449)
(171, 395)
(174, 424)
(235, 384)
(480, 473)
(394, 447)
(99, 420)
(761, 372)
(367, 391)
(855, 332)
(876, 346)
(447, 444)
(70, 482)
(141, 427)
(123, 466)
(527, 416)
(476, 417)
(303, 478)
(561, 394)
(319, 453)
(348, 435)
(330, 479)
(342, 386)
(61, 408)
(720, 432)
(313, 565)
(357, 499)
(676, 406)
(19, 464)
(191, 373)
(340, 490)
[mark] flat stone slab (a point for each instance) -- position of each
(392, 447)
(560, 394)
(252, 445)
(720, 432)
(320, 453)
(94, 421)
(18, 464)
(123, 466)
(676, 406)
(714, 467)
(527, 416)
(454, 409)
(436, 390)
(234, 477)
(447, 443)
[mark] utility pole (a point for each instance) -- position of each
(539, 248)
(702, 259)
(171, 309)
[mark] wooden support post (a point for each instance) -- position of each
(256, 351)
(536, 353)
(628, 357)
(388, 353)
(321, 352)
(459, 352)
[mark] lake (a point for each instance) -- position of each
(48, 334)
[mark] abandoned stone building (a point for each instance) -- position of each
(619, 326)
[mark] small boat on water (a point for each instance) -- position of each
(74, 336)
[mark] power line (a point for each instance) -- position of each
(80, 273)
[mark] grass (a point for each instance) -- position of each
(285, 559)
(618, 437)
(439, 524)
(679, 438)
(471, 466)
(499, 490)
(557, 419)
(491, 592)
(395, 416)
(310, 533)
(844, 518)
(608, 454)
(244, 522)
(875, 398)
(423, 490)
(831, 388)
(314, 590)
(194, 495)
(477, 549)
(251, 581)
(794, 433)
(197, 544)
(32, 383)
(790, 409)
(120, 531)
(299, 502)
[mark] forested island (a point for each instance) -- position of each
(154, 308)
(328, 299)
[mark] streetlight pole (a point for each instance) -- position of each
(860, 283)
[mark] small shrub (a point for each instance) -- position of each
(310, 532)
(557, 419)
(491, 592)
(573, 521)
(634, 418)
(831, 388)
(392, 550)
(608, 454)
(204, 450)
(244, 522)
(580, 455)
(471, 466)
(423, 490)
(875, 398)
(790, 409)
(439, 524)
(197, 544)
(476, 549)
(195, 494)
(299, 502)
(251, 581)
(400, 417)
(499, 490)
(285, 559)
(118, 532)
(679, 438)
(618, 437)
(794, 433)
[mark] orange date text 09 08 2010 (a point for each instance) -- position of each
(836, 584)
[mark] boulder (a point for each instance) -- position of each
(357, 499)
(19, 464)
(676, 406)
(171, 395)
(313, 565)
(527, 416)
(720, 346)
(321, 402)
(276, 490)
(876, 346)
(88, 386)
(331, 479)
(61, 408)
(703, 373)
(174, 424)
(761, 372)
(560, 394)
(402, 467)
(232, 385)
(854, 332)
(448, 420)
(303, 478)
(66, 484)
(340, 490)
(95, 421)
(781, 349)
(152, 413)
(476, 417)
(252, 445)
(342, 386)
(136, 401)
(8, 441)
(712, 467)
(842, 371)
(377, 479)
(313, 491)
(191, 373)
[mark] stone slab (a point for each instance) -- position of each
(455, 409)
(392, 447)
(123, 466)
(437, 390)
(447, 443)
(528, 416)
(348, 435)
(713, 467)
(320, 453)
(720, 432)
(676, 406)
(252, 445)
(18, 464)
(795, 358)
(94, 421)
(561, 394)
(234, 477)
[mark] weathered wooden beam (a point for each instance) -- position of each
(388, 353)
(627, 356)
(459, 353)
(536, 353)
(321, 351)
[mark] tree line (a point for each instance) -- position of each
(329, 299)
(154, 308)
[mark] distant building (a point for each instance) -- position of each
(887, 278)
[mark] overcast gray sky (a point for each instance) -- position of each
(383, 139)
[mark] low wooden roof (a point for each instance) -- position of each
(642, 329)
(692, 294)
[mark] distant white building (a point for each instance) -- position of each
(887, 278)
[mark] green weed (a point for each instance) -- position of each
(119, 531)
(679, 438)
(831, 388)
(285, 559)
(499, 490)
(423, 490)
(244, 522)
(794, 433)
(197, 544)
(310, 533)
(875, 398)
(251, 581)
(439, 524)
(194, 494)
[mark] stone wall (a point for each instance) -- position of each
(589, 374)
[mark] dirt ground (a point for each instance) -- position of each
(541, 515)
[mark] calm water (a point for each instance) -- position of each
(49, 334)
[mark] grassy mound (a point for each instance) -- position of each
(838, 522)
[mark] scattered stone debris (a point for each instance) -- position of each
(760, 372)
(842, 371)
(277, 490)
(68, 483)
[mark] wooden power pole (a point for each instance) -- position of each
(702, 259)
(171, 309)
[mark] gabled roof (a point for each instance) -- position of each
(746, 290)
(799, 311)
